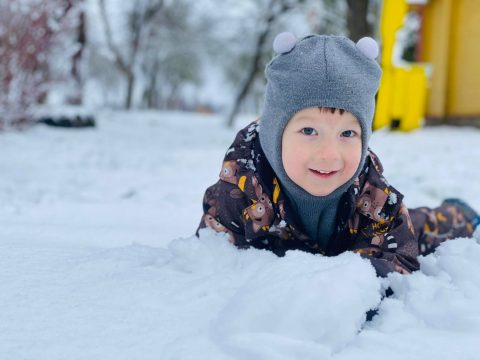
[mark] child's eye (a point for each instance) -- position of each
(309, 131)
(349, 133)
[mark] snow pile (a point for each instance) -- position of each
(275, 308)
(291, 308)
(433, 313)
(196, 295)
(204, 296)
(452, 275)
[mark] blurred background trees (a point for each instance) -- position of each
(206, 55)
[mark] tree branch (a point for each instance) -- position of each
(111, 45)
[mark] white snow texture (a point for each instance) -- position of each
(98, 261)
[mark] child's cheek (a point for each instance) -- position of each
(354, 160)
(288, 159)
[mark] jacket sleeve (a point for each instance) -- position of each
(223, 205)
(397, 249)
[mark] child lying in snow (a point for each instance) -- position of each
(303, 177)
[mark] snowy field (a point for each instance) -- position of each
(97, 258)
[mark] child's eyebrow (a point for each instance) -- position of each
(304, 118)
(354, 123)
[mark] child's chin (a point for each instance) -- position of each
(317, 192)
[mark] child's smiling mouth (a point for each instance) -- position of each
(323, 174)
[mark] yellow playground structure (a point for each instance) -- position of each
(443, 84)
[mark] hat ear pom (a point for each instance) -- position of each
(368, 47)
(284, 42)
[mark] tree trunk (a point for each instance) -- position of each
(150, 96)
(357, 23)
(130, 86)
(122, 65)
(254, 67)
(77, 97)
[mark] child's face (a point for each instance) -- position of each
(321, 150)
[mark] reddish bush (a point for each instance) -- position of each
(30, 31)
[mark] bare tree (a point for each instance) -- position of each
(275, 9)
(143, 12)
(77, 96)
(170, 55)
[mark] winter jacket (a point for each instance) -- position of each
(248, 204)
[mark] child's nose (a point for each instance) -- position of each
(327, 149)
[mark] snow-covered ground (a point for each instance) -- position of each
(97, 258)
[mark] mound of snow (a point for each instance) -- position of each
(434, 312)
(291, 308)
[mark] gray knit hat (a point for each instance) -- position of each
(318, 71)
